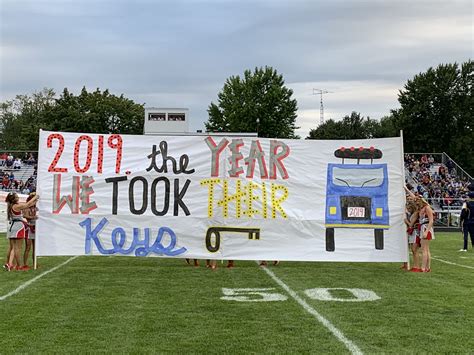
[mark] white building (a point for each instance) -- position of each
(166, 120)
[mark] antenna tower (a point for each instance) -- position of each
(320, 92)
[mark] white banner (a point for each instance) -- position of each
(221, 197)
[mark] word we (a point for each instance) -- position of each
(81, 191)
(278, 152)
(140, 247)
(246, 201)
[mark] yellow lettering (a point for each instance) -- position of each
(276, 202)
(246, 198)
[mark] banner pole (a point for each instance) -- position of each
(35, 263)
(35, 258)
(405, 196)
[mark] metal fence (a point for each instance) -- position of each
(447, 219)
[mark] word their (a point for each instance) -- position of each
(247, 202)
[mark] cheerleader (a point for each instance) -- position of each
(411, 222)
(31, 217)
(17, 229)
(426, 220)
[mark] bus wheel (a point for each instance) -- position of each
(378, 239)
(330, 246)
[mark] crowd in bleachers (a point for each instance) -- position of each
(18, 172)
(436, 182)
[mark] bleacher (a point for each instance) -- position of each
(438, 179)
(24, 174)
(434, 176)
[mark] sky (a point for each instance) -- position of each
(179, 53)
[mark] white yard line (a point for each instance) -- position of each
(29, 282)
(451, 263)
(354, 349)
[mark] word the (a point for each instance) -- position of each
(163, 168)
(113, 142)
(245, 199)
(256, 155)
(140, 247)
(142, 184)
(81, 191)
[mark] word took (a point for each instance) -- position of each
(150, 195)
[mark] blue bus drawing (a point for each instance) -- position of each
(357, 195)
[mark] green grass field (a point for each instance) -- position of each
(150, 305)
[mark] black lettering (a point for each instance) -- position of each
(183, 161)
(183, 164)
(166, 203)
(131, 197)
(115, 181)
(178, 197)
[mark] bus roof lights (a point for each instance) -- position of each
(360, 153)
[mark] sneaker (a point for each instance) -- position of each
(25, 268)
(263, 263)
(462, 249)
(276, 262)
(415, 269)
(187, 261)
(427, 270)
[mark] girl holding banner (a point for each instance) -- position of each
(31, 217)
(17, 229)
(426, 220)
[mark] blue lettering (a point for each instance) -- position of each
(141, 247)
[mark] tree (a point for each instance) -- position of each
(94, 112)
(328, 130)
(436, 112)
(21, 119)
(258, 102)
(352, 126)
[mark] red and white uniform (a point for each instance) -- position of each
(412, 233)
(32, 223)
(17, 228)
(424, 221)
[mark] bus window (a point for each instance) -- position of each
(357, 177)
